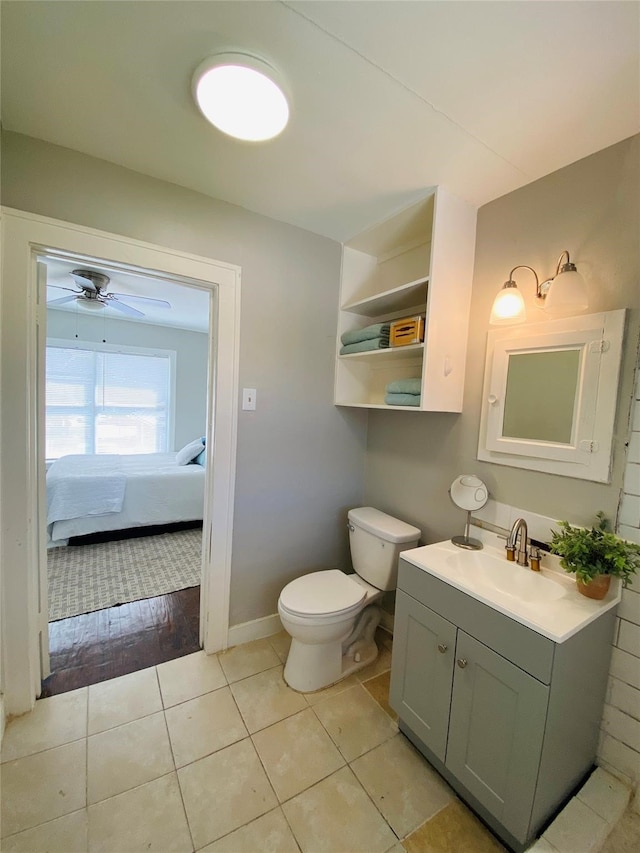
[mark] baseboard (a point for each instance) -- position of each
(254, 630)
(267, 626)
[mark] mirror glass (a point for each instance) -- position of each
(540, 395)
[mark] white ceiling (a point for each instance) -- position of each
(388, 97)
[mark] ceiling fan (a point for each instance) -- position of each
(93, 294)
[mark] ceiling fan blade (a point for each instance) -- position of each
(62, 299)
(158, 303)
(60, 287)
(83, 282)
(126, 309)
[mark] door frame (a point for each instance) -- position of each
(26, 236)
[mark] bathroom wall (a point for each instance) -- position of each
(300, 460)
(620, 739)
(590, 208)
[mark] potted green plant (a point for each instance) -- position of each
(595, 555)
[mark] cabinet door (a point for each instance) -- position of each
(498, 714)
(422, 671)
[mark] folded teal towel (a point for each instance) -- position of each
(404, 386)
(378, 330)
(365, 346)
(402, 399)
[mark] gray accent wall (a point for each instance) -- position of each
(192, 359)
(590, 208)
(300, 460)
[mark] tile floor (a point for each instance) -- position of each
(218, 754)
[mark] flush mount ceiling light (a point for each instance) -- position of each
(241, 96)
(566, 291)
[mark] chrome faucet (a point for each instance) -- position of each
(513, 552)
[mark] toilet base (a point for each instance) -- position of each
(315, 667)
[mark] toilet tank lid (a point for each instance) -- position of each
(386, 526)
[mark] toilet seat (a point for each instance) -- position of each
(321, 594)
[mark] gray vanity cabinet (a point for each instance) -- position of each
(506, 715)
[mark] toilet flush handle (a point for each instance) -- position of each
(350, 526)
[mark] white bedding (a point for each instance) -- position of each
(157, 491)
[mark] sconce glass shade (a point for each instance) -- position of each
(508, 306)
(567, 292)
(239, 95)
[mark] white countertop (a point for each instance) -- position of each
(548, 601)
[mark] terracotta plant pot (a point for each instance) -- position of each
(597, 587)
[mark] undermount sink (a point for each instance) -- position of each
(546, 601)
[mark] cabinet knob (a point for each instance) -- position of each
(461, 663)
(442, 648)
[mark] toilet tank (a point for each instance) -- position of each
(376, 541)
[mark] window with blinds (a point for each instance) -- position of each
(103, 400)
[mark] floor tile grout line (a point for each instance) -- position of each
(5, 838)
(184, 805)
(42, 750)
(277, 808)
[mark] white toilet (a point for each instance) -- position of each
(328, 613)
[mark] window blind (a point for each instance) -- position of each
(106, 402)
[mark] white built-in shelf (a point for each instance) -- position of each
(381, 406)
(418, 261)
(412, 351)
(404, 297)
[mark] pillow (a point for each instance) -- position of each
(201, 458)
(189, 452)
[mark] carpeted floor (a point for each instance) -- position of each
(90, 577)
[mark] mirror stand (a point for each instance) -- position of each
(468, 492)
(466, 541)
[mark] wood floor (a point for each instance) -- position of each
(96, 646)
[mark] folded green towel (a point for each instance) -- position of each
(378, 330)
(402, 399)
(404, 386)
(365, 346)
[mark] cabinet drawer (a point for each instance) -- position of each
(517, 643)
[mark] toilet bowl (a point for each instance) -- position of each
(331, 616)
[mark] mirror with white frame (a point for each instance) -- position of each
(550, 393)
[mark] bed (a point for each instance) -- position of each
(91, 494)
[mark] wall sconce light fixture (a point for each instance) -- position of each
(564, 292)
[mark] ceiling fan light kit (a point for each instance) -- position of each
(93, 294)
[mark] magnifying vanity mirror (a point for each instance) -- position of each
(468, 492)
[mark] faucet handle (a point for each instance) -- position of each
(534, 558)
(511, 553)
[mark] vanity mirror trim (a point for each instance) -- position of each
(597, 339)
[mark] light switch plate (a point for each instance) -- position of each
(248, 399)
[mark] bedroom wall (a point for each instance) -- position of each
(191, 359)
(300, 460)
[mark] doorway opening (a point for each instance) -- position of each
(25, 237)
(126, 384)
